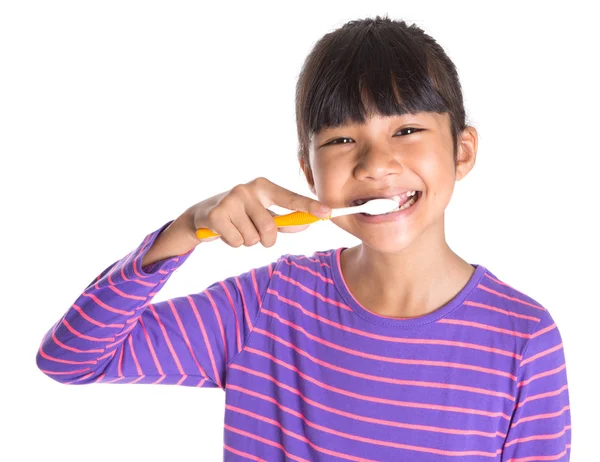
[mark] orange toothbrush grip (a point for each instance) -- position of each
(295, 219)
(290, 219)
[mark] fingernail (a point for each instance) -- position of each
(324, 209)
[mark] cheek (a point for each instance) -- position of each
(438, 175)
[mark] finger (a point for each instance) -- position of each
(293, 201)
(292, 229)
(246, 228)
(263, 222)
(226, 228)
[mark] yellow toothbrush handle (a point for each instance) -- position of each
(290, 219)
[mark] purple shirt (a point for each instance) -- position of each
(311, 375)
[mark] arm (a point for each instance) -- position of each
(540, 427)
(112, 333)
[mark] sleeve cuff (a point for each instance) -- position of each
(130, 267)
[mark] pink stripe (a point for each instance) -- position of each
(120, 363)
(128, 328)
(135, 360)
(541, 354)
(544, 330)
(497, 280)
(75, 350)
(243, 454)
(206, 341)
(169, 344)
(246, 315)
(514, 299)
(81, 378)
(541, 416)
(409, 404)
(307, 269)
(64, 361)
(294, 435)
(325, 254)
(160, 379)
(86, 337)
(185, 336)
(540, 375)
(65, 372)
(147, 283)
(110, 354)
(359, 438)
(418, 362)
(539, 437)
(126, 295)
(350, 415)
(237, 322)
(312, 292)
(264, 440)
(93, 321)
(255, 284)
(120, 265)
(393, 339)
(151, 348)
(107, 307)
(138, 379)
(538, 458)
(478, 325)
(542, 395)
(375, 378)
(499, 310)
(218, 316)
(314, 260)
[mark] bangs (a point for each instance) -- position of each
(379, 71)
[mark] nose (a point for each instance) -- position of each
(376, 163)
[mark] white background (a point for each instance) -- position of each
(116, 116)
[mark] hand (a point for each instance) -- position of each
(241, 217)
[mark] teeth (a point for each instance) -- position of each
(408, 194)
(405, 205)
(395, 198)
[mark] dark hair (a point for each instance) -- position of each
(375, 66)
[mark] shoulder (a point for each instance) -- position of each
(317, 263)
(510, 310)
(304, 273)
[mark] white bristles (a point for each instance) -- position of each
(372, 207)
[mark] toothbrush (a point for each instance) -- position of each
(372, 207)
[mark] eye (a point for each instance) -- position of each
(412, 130)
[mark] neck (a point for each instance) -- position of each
(410, 283)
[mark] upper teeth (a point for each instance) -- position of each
(396, 198)
(408, 194)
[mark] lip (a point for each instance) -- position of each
(387, 194)
(400, 215)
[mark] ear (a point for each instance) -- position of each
(308, 174)
(467, 152)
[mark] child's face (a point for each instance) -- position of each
(380, 156)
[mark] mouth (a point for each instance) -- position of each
(406, 208)
(404, 200)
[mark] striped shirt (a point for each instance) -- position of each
(312, 375)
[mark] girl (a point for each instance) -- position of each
(394, 350)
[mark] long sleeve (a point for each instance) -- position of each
(112, 333)
(540, 427)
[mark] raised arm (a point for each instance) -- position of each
(112, 333)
